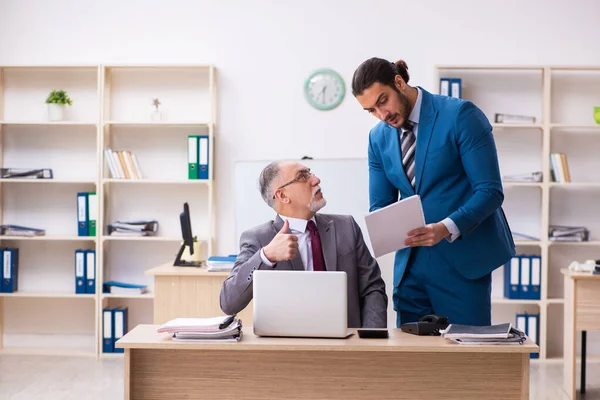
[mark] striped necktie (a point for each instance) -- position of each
(408, 146)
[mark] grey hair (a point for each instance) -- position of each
(265, 182)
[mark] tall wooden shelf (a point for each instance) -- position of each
(562, 100)
(111, 108)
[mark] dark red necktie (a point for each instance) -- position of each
(317, 250)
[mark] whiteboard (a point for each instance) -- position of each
(344, 183)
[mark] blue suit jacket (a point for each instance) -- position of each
(457, 176)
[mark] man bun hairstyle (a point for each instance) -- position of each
(377, 70)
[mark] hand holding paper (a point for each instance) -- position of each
(430, 235)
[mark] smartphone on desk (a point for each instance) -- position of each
(373, 333)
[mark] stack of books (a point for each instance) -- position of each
(16, 230)
(484, 335)
(25, 173)
(133, 228)
(220, 264)
(524, 177)
(218, 329)
(559, 233)
(122, 164)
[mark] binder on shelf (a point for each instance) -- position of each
(536, 277)
(80, 274)
(512, 274)
(119, 326)
(192, 157)
(90, 268)
(203, 157)
(92, 213)
(107, 331)
(525, 277)
(533, 325)
(10, 270)
(456, 88)
(82, 214)
(445, 87)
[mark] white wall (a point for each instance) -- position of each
(265, 49)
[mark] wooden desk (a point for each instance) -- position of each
(402, 367)
(582, 313)
(181, 292)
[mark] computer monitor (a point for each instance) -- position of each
(188, 238)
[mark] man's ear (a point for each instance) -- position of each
(281, 196)
(399, 83)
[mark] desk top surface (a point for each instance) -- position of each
(169, 270)
(579, 275)
(146, 337)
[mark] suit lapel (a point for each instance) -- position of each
(295, 262)
(426, 124)
(326, 230)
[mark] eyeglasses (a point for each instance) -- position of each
(303, 176)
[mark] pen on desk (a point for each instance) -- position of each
(226, 323)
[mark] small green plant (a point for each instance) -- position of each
(59, 97)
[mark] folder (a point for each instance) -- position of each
(456, 88)
(92, 213)
(107, 331)
(119, 326)
(203, 157)
(525, 277)
(10, 275)
(80, 275)
(512, 272)
(533, 324)
(522, 322)
(192, 157)
(536, 277)
(82, 214)
(445, 87)
(90, 270)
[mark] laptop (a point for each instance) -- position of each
(301, 304)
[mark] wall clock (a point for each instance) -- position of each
(324, 89)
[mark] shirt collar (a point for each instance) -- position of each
(297, 224)
(415, 114)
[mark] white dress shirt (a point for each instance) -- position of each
(298, 228)
(414, 116)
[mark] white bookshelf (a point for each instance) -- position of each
(562, 100)
(111, 108)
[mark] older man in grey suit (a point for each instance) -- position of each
(300, 239)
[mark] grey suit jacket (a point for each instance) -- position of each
(344, 249)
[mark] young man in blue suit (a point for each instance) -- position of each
(443, 150)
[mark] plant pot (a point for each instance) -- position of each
(56, 112)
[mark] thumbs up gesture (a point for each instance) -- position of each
(284, 245)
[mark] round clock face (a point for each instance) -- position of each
(324, 89)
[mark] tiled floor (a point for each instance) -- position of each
(27, 377)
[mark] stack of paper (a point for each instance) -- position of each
(487, 335)
(133, 228)
(524, 177)
(218, 329)
(220, 264)
(16, 230)
(558, 233)
(115, 287)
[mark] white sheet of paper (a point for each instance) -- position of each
(388, 226)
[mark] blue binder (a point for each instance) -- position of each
(82, 214)
(203, 157)
(80, 273)
(10, 270)
(536, 277)
(119, 326)
(512, 275)
(445, 87)
(530, 324)
(525, 280)
(456, 88)
(107, 331)
(90, 271)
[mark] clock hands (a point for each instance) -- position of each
(323, 92)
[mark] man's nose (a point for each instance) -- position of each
(316, 180)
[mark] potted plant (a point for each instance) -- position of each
(56, 104)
